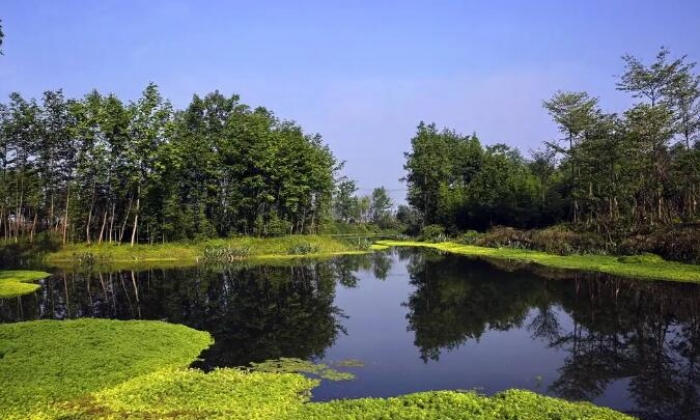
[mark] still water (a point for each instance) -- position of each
(419, 321)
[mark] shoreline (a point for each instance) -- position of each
(606, 264)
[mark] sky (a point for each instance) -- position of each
(363, 74)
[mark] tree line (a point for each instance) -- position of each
(98, 169)
(610, 173)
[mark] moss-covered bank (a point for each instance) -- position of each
(100, 369)
(19, 282)
(635, 267)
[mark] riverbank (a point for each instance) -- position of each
(102, 369)
(217, 250)
(643, 266)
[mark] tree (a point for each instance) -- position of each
(575, 113)
(345, 201)
(380, 207)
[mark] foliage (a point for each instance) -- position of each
(653, 270)
(50, 361)
(19, 282)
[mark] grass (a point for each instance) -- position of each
(19, 282)
(644, 267)
(190, 253)
(47, 362)
(234, 394)
(101, 369)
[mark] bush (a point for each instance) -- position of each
(303, 249)
(501, 236)
(558, 240)
(681, 243)
(225, 253)
(469, 237)
(433, 233)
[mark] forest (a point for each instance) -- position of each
(616, 174)
(97, 169)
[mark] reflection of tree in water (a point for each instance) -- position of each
(254, 312)
(644, 332)
(457, 299)
(647, 332)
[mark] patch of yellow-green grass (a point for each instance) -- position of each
(19, 282)
(235, 394)
(192, 394)
(511, 404)
(46, 362)
(644, 268)
(185, 254)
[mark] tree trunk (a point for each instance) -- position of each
(102, 228)
(65, 216)
(136, 216)
(126, 218)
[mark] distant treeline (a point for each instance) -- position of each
(610, 173)
(97, 169)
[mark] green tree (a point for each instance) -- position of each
(380, 207)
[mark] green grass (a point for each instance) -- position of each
(186, 254)
(19, 282)
(644, 267)
(44, 362)
(512, 404)
(234, 394)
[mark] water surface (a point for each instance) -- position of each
(419, 321)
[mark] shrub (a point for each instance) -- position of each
(225, 253)
(303, 249)
(501, 236)
(469, 237)
(433, 233)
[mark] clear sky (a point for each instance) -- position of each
(361, 73)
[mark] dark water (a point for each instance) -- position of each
(420, 321)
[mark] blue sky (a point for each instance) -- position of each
(361, 73)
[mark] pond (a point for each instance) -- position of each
(419, 320)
